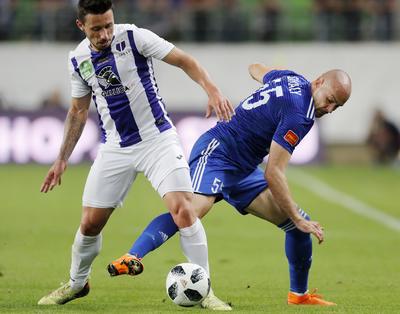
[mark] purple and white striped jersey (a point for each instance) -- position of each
(121, 80)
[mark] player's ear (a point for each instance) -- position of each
(319, 81)
(79, 24)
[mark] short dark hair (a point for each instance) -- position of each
(86, 7)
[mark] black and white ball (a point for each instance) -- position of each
(187, 284)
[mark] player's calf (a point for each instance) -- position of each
(298, 249)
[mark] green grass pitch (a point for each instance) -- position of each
(357, 267)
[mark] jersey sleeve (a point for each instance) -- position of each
(151, 45)
(292, 128)
(274, 74)
(79, 87)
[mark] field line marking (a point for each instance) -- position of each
(329, 193)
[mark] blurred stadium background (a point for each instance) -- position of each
(347, 171)
(308, 36)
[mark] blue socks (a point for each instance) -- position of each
(298, 248)
(156, 233)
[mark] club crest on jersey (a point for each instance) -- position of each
(291, 137)
(120, 46)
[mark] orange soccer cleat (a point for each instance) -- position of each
(127, 264)
(308, 299)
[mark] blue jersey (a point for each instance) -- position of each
(282, 110)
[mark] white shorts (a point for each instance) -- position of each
(114, 170)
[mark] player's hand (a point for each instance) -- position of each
(312, 227)
(53, 177)
(221, 105)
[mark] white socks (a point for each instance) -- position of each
(85, 248)
(84, 251)
(194, 244)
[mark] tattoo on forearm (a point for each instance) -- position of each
(74, 124)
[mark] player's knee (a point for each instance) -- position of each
(90, 228)
(93, 220)
(183, 215)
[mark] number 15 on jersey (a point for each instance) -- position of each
(262, 96)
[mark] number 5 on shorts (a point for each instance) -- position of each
(217, 185)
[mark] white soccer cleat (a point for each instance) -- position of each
(211, 302)
(63, 295)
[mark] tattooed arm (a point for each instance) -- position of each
(73, 127)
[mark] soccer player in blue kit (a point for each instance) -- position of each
(224, 165)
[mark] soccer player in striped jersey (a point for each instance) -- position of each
(113, 67)
(224, 165)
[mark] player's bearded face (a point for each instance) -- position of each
(99, 29)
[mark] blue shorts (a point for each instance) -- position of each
(213, 173)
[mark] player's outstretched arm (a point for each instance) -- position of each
(258, 70)
(74, 124)
(275, 174)
(216, 101)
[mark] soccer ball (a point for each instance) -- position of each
(187, 284)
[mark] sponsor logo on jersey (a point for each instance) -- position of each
(291, 137)
(86, 69)
(110, 82)
(108, 78)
